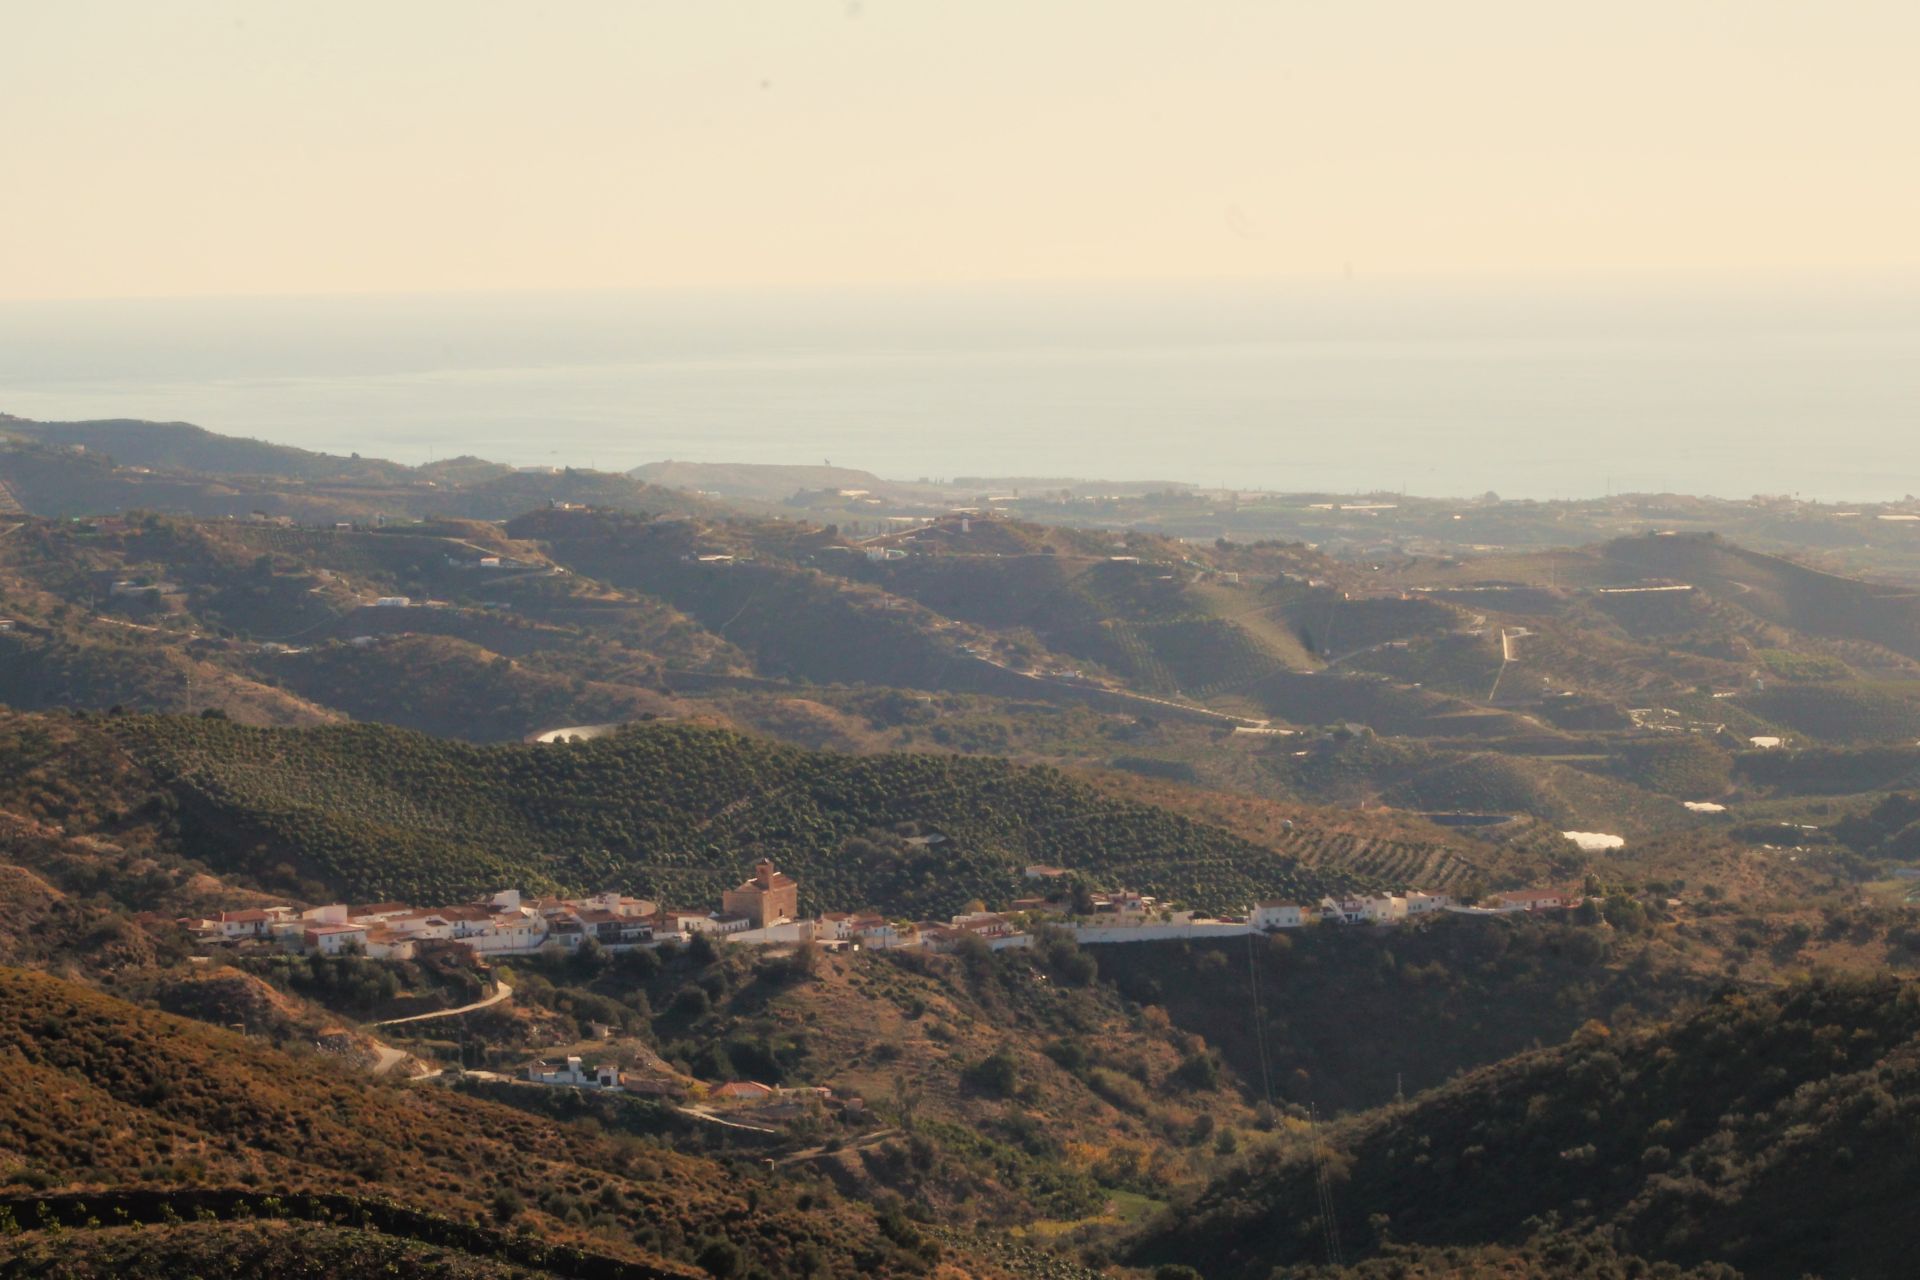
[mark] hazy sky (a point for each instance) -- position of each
(189, 147)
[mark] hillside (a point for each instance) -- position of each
(278, 625)
(1775, 1133)
(181, 446)
(105, 1098)
(100, 468)
(247, 1250)
(1785, 647)
(1012, 1087)
(1453, 994)
(456, 689)
(674, 811)
(1588, 689)
(752, 481)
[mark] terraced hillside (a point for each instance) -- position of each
(1429, 865)
(1384, 845)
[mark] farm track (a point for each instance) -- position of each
(504, 992)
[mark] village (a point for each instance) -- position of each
(764, 910)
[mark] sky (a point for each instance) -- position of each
(193, 147)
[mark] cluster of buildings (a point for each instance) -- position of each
(1374, 909)
(1394, 908)
(503, 924)
(765, 910)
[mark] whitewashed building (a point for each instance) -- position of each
(1277, 915)
(575, 1073)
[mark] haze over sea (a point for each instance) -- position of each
(1807, 386)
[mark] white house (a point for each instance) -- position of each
(865, 928)
(576, 1073)
(518, 930)
(383, 943)
(335, 939)
(421, 925)
(1123, 902)
(674, 920)
(1386, 910)
(1420, 903)
(996, 931)
(254, 923)
(875, 932)
(1277, 915)
(392, 602)
(631, 908)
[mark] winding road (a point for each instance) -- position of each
(502, 992)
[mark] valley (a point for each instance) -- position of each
(397, 863)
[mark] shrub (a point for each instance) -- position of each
(997, 1074)
(691, 1002)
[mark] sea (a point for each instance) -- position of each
(1729, 387)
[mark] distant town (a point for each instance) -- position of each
(764, 910)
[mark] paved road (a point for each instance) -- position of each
(503, 993)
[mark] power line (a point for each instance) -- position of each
(1259, 1022)
(1330, 1228)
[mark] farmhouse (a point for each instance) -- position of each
(1536, 900)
